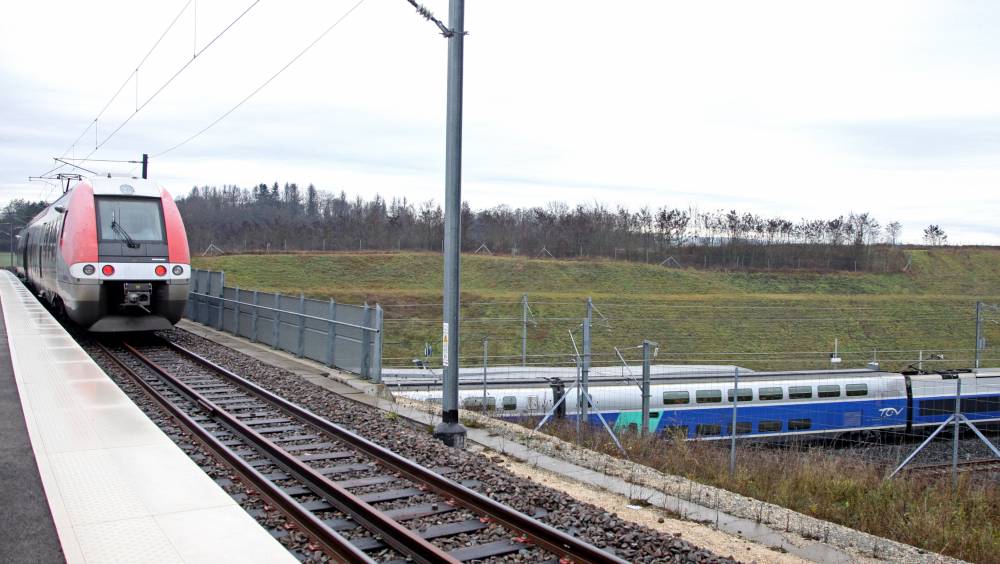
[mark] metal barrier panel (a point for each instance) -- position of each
(348, 345)
(288, 332)
(317, 333)
(291, 323)
(266, 319)
(229, 310)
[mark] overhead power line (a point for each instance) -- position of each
(265, 83)
(175, 75)
(114, 96)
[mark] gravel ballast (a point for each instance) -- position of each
(593, 524)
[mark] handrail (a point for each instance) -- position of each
(300, 314)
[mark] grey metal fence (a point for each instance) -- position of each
(343, 336)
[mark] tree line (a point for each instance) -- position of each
(279, 218)
(288, 218)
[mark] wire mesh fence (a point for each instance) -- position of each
(624, 371)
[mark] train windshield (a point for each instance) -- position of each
(138, 219)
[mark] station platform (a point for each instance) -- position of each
(105, 484)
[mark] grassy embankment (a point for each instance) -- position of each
(691, 311)
(752, 319)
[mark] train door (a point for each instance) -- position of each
(24, 255)
(41, 245)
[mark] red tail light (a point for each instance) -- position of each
(160, 270)
(108, 270)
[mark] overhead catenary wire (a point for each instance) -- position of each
(265, 83)
(175, 75)
(133, 74)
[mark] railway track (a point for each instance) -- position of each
(941, 468)
(358, 501)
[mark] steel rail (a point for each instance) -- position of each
(541, 534)
(333, 542)
(393, 533)
(963, 466)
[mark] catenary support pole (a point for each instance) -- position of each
(979, 330)
(145, 165)
(486, 350)
(732, 428)
(585, 367)
(645, 388)
(524, 329)
(954, 447)
(450, 431)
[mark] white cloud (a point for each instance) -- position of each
(790, 108)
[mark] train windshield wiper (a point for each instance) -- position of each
(120, 231)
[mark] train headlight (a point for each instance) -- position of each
(178, 270)
(160, 270)
(88, 269)
(108, 270)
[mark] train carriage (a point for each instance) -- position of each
(769, 404)
(111, 254)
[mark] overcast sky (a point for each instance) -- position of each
(798, 109)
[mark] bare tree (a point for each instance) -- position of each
(934, 235)
(893, 231)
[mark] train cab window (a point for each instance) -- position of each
(139, 219)
(828, 391)
(766, 394)
(799, 424)
(800, 392)
(742, 428)
(509, 403)
(745, 394)
(476, 403)
(769, 427)
(676, 398)
(708, 430)
(708, 396)
(857, 389)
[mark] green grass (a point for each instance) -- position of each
(753, 319)
(923, 512)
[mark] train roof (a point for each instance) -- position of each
(518, 376)
(124, 186)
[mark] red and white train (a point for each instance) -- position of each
(111, 254)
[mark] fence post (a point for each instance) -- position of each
(486, 341)
(954, 448)
(645, 388)
(585, 368)
(331, 345)
(979, 330)
(377, 353)
(222, 296)
(236, 312)
(301, 349)
(732, 429)
(277, 321)
(253, 317)
(366, 343)
(524, 330)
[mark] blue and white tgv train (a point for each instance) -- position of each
(768, 403)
